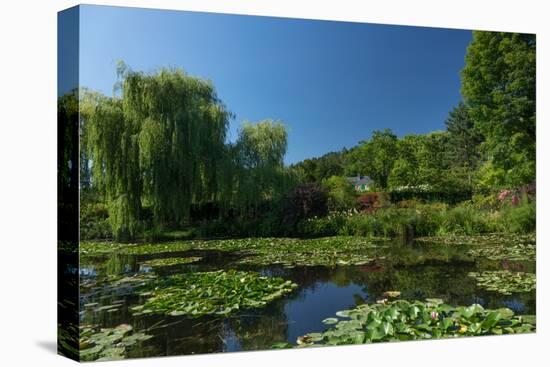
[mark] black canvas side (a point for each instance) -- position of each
(68, 183)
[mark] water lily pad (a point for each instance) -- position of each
(108, 344)
(172, 261)
(504, 281)
(217, 292)
(404, 320)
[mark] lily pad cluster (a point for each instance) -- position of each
(317, 258)
(105, 248)
(330, 251)
(505, 282)
(120, 284)
(519, 251)
(108, 343)
(494, 246)
(290, 252)
(403, 320)
(207, 293)
(172, 261)
(490, 239)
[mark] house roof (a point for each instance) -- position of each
(359, 180)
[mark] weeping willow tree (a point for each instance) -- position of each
(261, 175)
(181, 139)
(113, 146)
(161, 143)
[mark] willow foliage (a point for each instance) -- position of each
(181, 139)
(113, 144)
(162, 143)
(261, 175)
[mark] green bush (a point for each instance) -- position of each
(94, 222)
(341, 195)
(423, 220)
(389, 222)
(518, 219)
(321, 227)
(465, 219)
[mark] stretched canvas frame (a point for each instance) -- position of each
(118, 296)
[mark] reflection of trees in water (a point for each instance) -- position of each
(262, 328)
(120, 263)
(182, 335)
(449, 281)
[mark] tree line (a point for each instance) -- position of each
(159, 146)
(490, 138)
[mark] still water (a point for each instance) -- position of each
(418, 272)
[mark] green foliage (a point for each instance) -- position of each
(374, 157)
(425, 220)
(324, 167)
(499, 87)
(94, 221)
(171, 261)
(389, 222)
(107, 344)
(505, 281)
(404, 320)
(464, 142)
(182, 127)
(260, 175)
(211, 293)
(520, 218)
(329, 225)
(505, 251)
(113, 147)
(341, 195)
(163, 144)
(465, 219)
(290, 252)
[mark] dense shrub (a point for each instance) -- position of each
(341, 195)
(368, 202)
(424, 220)
(518, 219)
(486, 202)
(94, 221)
(466, 219)
(428, 194)
(330, 225)
(410, 203)
(303, 202)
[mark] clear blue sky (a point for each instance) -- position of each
(331, 83)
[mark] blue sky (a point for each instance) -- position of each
(331, 83)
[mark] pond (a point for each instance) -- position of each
(109, 295)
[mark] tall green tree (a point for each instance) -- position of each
(324, 167)
(374, 157)
(498, 84)
(181, 139)
(114, 150)
(405, 168)
(162, 142)
(464, 142)
(261, 175)
(433, 160)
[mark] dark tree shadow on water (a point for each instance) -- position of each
(48, 345)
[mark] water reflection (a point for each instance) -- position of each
(418, 272)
